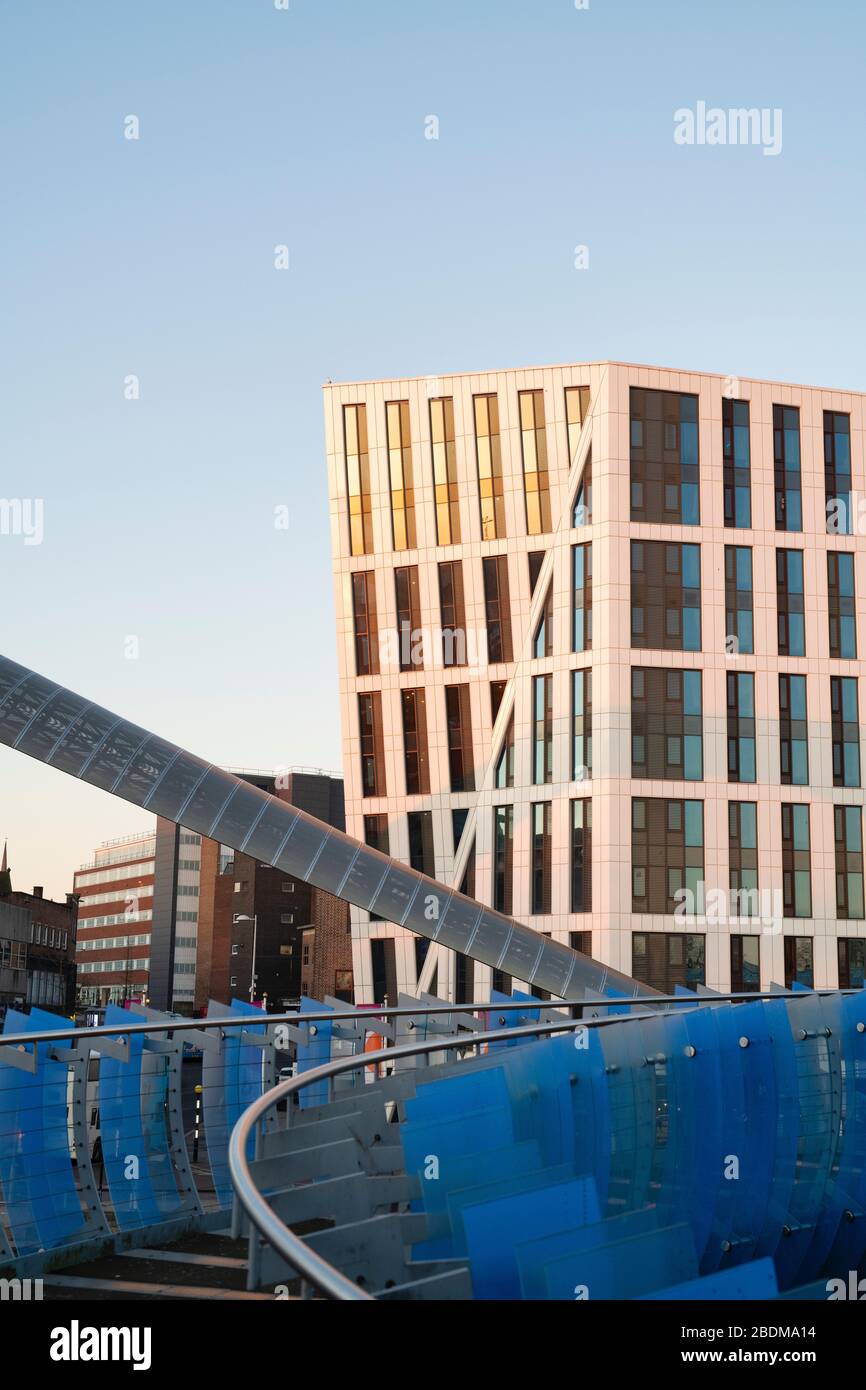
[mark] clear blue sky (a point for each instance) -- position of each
(408, 256)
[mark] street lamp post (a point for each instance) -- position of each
(243, 917)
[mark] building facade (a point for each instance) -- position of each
(115, 916)
(600, 655)
(37, 951)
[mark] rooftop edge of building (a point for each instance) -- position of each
(597, 363)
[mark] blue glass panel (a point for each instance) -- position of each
(623, 1257)
(314, 1053)
(231, 1081)
(446, 1236)
(132, 1119)
(511, 1018)
(744, 1165)
(756, 1280)
(848, 1249)
(493, 1229)
(36, 1174)
(820, 1198)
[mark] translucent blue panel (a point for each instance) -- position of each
(808, 1119)
(748, 1093)
(481, 1191)
(493, 1229)
(473, 1112)
(756, 1280)
(848, 1248)
(446, 1235)
(37, 1181)
(542, 1080)
(134, 1133)
(663, 1042)
(623, 1257)
(231, 1081)
(781, 1196)
(314, 1053)
(510, 1018)
(820, 1197)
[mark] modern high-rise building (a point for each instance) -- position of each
(115, 892)
(600, 654)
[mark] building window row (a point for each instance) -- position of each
(664, 465)
(666, 731)
(665, 606)
(488, 457)
(666, 961)
(666, 599)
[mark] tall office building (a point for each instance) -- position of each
(115, 892)
(600, 658)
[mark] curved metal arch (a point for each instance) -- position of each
(57, 727)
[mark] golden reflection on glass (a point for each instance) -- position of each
(400, 474)
(445, 471)
(358, 479)
(489, 454)
(533, 436)
(576, 408)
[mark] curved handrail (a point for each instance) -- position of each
(312, 1267)
(374, 1012)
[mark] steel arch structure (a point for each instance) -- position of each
(68, 732)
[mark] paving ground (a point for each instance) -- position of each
(200, 1266)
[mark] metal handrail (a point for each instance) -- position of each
(170, 1025)
(312, 1267)
(317, 1271)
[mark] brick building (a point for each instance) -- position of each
(37, 949)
